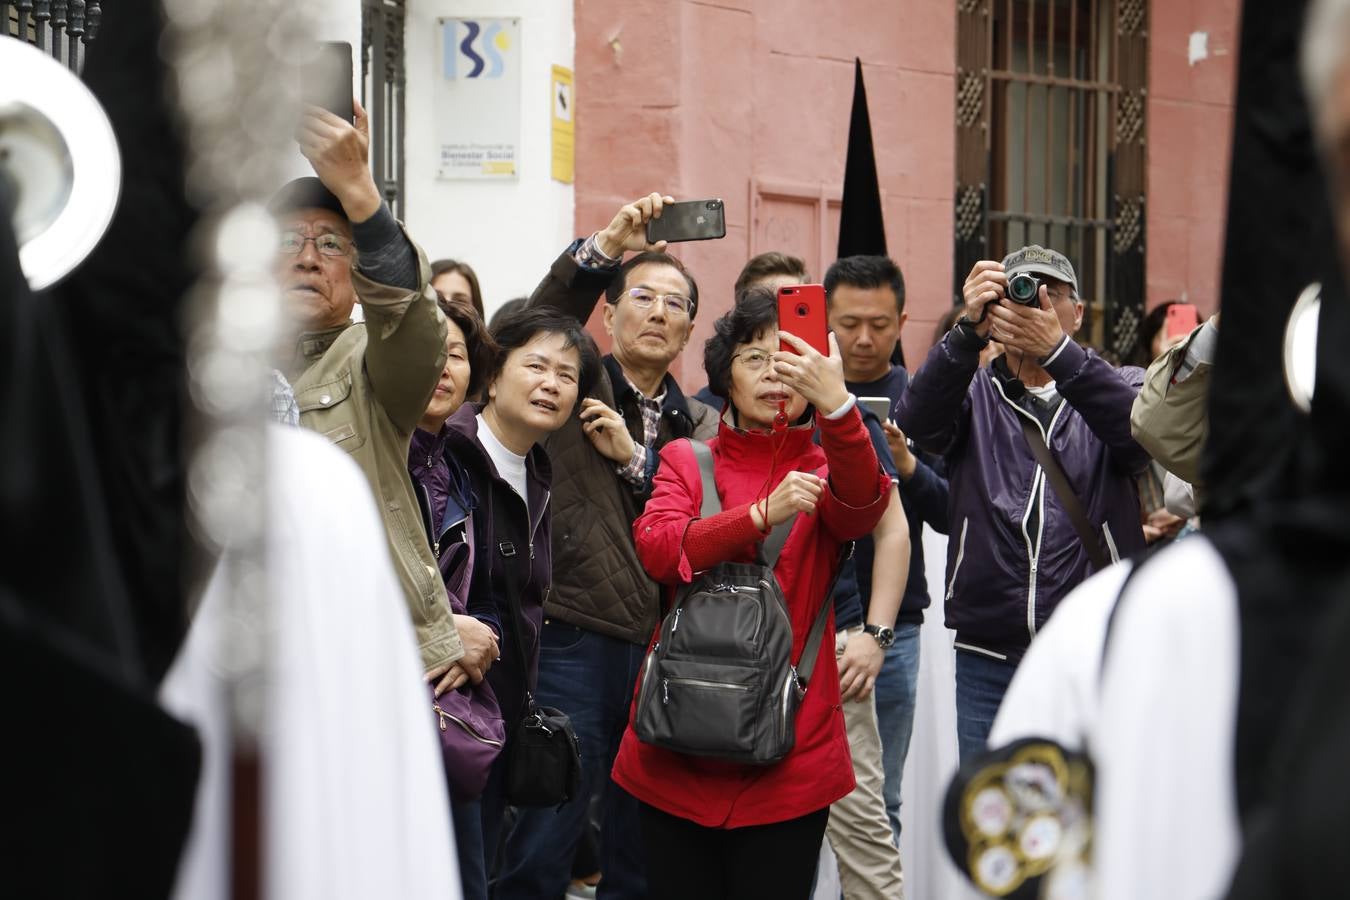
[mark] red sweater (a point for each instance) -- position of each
(674, 543)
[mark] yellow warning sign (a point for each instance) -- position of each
(564, 146)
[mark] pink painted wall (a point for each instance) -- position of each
(1190, 114)
(748, 100)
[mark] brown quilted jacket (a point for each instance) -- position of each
(598, 583)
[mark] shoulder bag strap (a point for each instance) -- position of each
(513, 589)
(1060, 483)
(464, 579)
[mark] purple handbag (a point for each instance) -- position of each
(469, 721)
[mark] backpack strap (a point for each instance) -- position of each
(712, 504)
(771, 549)
(811, 649)
(772, 546)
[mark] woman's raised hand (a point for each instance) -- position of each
(797, 492)
(820, 379)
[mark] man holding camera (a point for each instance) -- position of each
(1041, 466)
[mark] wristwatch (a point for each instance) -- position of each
(885, 636)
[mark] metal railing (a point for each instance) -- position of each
(1050, 145)
(63, 28)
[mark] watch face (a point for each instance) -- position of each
(885, 636)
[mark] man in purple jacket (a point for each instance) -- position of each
(1014, 550)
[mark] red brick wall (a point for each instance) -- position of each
(748, 100)
(1190, 113)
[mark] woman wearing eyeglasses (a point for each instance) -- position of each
(756, 831)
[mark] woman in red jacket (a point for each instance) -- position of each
(715, 829)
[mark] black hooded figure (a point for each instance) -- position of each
(862, 231)
(1277, 507)
(1293, 731)
(1219, 712)
(98, 782)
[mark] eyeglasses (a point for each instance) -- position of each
(292, 242)
(676, 303)
(754, 359)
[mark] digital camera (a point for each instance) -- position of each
(1025, 289)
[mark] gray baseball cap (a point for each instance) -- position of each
(1037, 260)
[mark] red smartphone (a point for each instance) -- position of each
(801, 311)
(1181, 320)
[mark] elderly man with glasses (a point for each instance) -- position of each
(364, 385)
(603, 608)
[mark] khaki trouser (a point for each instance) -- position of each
(859, 832)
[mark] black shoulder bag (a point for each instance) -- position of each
(543, 754)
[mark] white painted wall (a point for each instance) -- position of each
(509, 231)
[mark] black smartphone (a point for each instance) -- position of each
(691, 220)
(326, 78)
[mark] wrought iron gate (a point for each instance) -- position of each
(383, 79)
(1051, 145)
(62, 28)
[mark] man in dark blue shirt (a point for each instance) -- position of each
(866, 296)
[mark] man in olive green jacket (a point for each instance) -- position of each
(365, 385)
(1170, 416)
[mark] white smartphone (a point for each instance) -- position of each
(879, 405)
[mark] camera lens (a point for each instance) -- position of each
(803, 310)
(714, 204)
(1022, 288)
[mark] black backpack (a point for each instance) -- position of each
(720, 681)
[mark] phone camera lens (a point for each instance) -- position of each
(803, 310)
(714, 204)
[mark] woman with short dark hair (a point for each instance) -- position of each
(719, 829)
(542, 363)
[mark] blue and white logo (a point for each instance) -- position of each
(476, 48)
